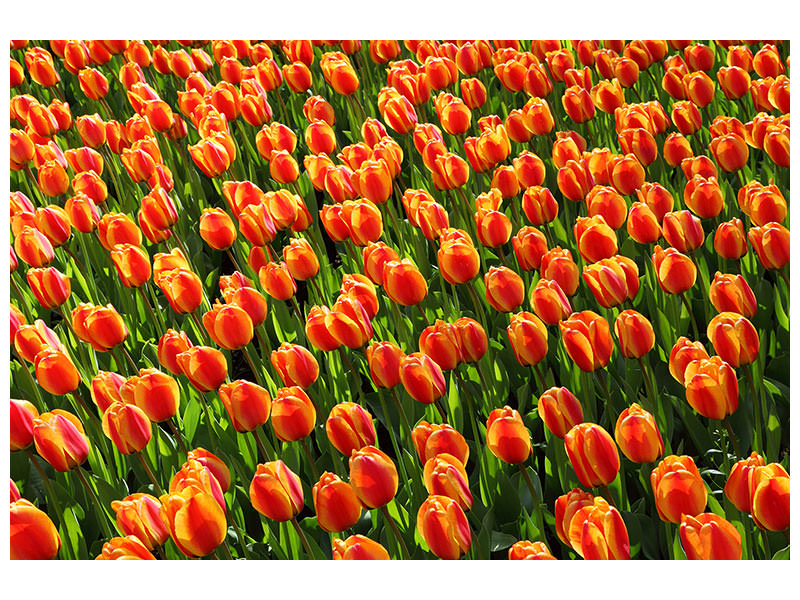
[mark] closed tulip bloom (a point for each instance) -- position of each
(472, 339)
(505, 290)
(710, 537)
(195, 520)
(635, 334)
(293, 414)
(317, 331)
(229, 326)
(738, 487)
(431, 439)
(403, 282)
(349, 428)
(597, 532)
(277, 281)
(770, 490)
(49, 286)
(684, 352)
(549, 302)
(587, 339)
(711, 387)
(567, 505)
(530, 246)
(539, 205)
(33, 534)
(683, 231)
(127, 426)
(642, 224)
(256, 224)
(458, 259)
(170, 345)
(593, 454)
(140, 515)
(422, 378)
(205, 367)
(349, 322)
(637, 435)
(248, 405)
(676, 272)
(557, 265)
(560, 410)
(336, 504)
(767, 61)
(763, 204)
(82, 212)
(117, 228)
(678, 489)
(30, 339)
(55, 372)
(703, 197)
(375, 256)
(734, 338)
(125, 548)
(358, 547)
(612, 280)
(578, 104)
(526, 550)
(443, 525)
(596, 240)
(608, 203)
(373, 476)
(53, 221)
(33, 247)
(154, 392)
(770, 242)
(217, 229)
(105, 389)
(730, 293)
(444, 475)
(730, 151)
(295, 365)
(528, 337)
(300, 259)
(214, 464)
(104, 326)
(60, 440)
(182, 287)
(132, 263)
(384, 363)
(507, 437)
(440, 341)
(575, 180)
(21, 424)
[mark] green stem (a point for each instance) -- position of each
(101, 517)
(149, 473)
(303, 539)
(536, 500)
(396, 532)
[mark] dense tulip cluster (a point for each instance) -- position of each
(482, 299)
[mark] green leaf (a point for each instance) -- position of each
(500, 540)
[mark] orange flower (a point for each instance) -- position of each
(587, 339)
(711, 387)
(248, 405)
(596, 240)
(710, 537)
(457, 257)
(443, 525)
(770, 493)
(445, 475)
(738, 487)
(635, 334)
(597, 532)
(560, 410)
(734, 338)
(507, 437)
(440, 341)
(373, 477)
(505, 290)
(528, 337)
(678, 489)
(60, 440)
(637, 435)
(125, 548)
(358, 547)
(293, 414)
(431, 439)
(730, 293)
(49, 286)
(613, 280)
(33, 534)
(557, 265)
(55, 372)
(526, 550)
(403, 282)
(127, 426)
(593, 454)
(336, 504)
(140, 515)
(770, 242)
(205, 367)
(349, 428)
(676, 272)
(195, 520)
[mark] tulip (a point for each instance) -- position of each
(55, 372)
(140, 515)
(458, 259)
(587, 339)
(358, 547)
(528, 337)
(678, 489)
(770, 493)
(373, 477)
(557, 265)
(29, 340)
(21, 425)
(711, 387)
(117, 228)
(125, 548)
(431, 439)
(597, 532)
(422, 378)
(441, 342)
(566, 507)
(33, 534)
(349, 428)
(195, 520)
(560, 410)
(612, 280)
(293, 414)
(730, 293)
(596, 240)
(507, 437)
(336, 504)
(637, 435)
(738, 488)
(127, 426)
(300, 259)
(607, 203)
(248, 405)
(403, 282)
(575, 180)
(734, 338)
(384, 363)
(505, 290)
(216, 229)
(676, 272)
(593, 454)
(33, 247)
(443, 525)
(170, 345)
(50, 287)
(132, 263)
(770, 242)
(710, 537)
(215, 466)
(205, 367)
(229, 326)
(635, 334)
(539, 205)
(60, 440)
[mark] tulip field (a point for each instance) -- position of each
(296, 299)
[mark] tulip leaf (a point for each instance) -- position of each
(782, 554)
(500, 541)
(191, 418)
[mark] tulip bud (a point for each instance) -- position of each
(734, 338)
(336, 504)
(637, 435)
(248, 405)
(403, 282)
(21, 424)
(560, 410)
(440, 342)
(597, 532)
(293, 414)
(55, 372)
(593, 454)
(358, 547)
(770, 242)
(373, 477)
(770, 492)
(738, 488)
(33, 534)
(678, 489)
(635, 334)
(507, 437)
(676, 272)
(127, 426)
(60, 440)
(528, 337)
(349, 428)
(587, 339)
(205, 367)
(443, 525)
(195, 520)
(710, 537)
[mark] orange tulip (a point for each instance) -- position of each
(350, 428)
(293, 414)
(560, 410)
(566, 507)
(422, 378)
(248, 405)
(33, 534)
(205, 367)
(358, 547)
(593, 454)
(60, 440)
(730, 293)
(55, 372)
(528, 337)
(770, 242)
(33, 247)
(676, 272)
(738, 488)
(49, 286)
(443, 525)
(140, 515)
(711, 387)
(635, 334)
(127, 426)
(229, 326)
(336, 504)
(373, 477)
(445, 475)
(596, 240)
(507, 437)
(195, 520)
(587, 339)
(678, 489)
(21, 424)
(431, 439)
(613, 280)
(734, 338)
(170, 345)
(441, 342)
(710, 537)
(637, 435)
(770, 492)
(457, 257)
(403, 282)
(125, 548)
(597, 532)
